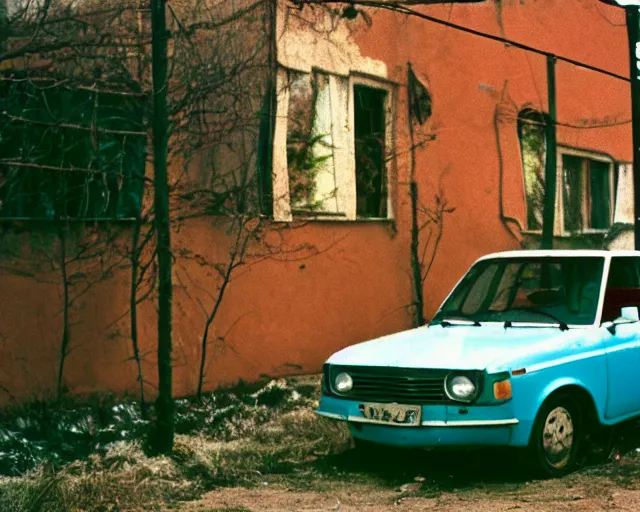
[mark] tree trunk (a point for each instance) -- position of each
(237, 254)
(416, 267)
(133, 307)
(64, 344)
(164, 428)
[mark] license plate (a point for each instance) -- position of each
(395, 414)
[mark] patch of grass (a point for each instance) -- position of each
(60, 432)
(123, 478)
(39, 492)
(288, 442)
(234, 439)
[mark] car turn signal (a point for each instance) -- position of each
(502, 390)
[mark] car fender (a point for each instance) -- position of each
(532, 389)
(560, 383)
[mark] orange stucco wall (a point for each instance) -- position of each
(288, 316)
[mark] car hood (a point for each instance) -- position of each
(491, 347)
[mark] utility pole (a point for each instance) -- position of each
(164, 428)
(549, 207)
(633, 32)
(632, 10)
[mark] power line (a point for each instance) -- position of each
(406, 10)
(510, 42)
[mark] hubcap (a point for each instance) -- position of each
(557, 437)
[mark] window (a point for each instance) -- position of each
(623, 286)
(534, 289)
(587, 191)
(312, 157)
(67, 153)
(478, 291)
(531, 132)
(337, 134)
(370, 129)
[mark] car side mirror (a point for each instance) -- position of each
(628, 315)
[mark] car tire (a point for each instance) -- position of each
(556, 438)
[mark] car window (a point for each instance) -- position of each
(532, 289)
(623, 286)
(479, 290)
(624, 272)
(506, 287)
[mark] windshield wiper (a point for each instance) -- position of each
(448, 322)
(561, 325)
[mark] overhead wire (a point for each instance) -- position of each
(403, 9)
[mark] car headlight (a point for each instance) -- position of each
(460, 388)
(343, 383)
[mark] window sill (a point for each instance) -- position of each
(311, 215)
(318, 215)
(339, 220)
(585, 232)
(591, 232)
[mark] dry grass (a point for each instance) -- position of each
(124, 478)
(288, 449)
(278, 447)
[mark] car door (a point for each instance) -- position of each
(623, 345)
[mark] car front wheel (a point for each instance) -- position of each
(556, 437)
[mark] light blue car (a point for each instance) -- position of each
(534, 349)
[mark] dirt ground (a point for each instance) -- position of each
(363, 499)
(477, 487)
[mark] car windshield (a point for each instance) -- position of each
(546, 290)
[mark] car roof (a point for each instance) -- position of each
(559, 253)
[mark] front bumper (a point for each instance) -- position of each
(441, 425)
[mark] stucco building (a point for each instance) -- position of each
(335, 175)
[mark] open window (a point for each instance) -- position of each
(587, 184)
(370, 141)
(337, 132)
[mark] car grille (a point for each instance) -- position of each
(389, 385)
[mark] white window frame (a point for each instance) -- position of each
(592, 155)
(346, 192)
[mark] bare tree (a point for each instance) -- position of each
(220, 98)
(425, 221)
(219, 95)
(222, 73)
(73, 135)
